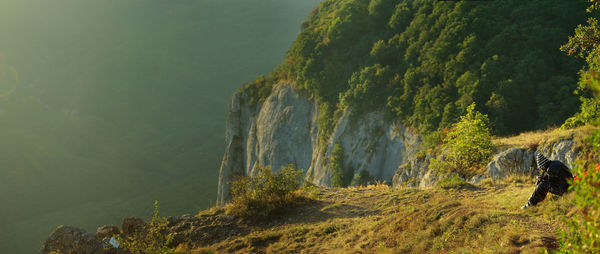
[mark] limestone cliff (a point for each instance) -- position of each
(283, 130)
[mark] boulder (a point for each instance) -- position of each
(107, 231)
(412, 173)
(133, 225)
(512, 161)
(476, 179)
(563, 150)
(67, 239)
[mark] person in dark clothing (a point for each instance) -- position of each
(553, 179)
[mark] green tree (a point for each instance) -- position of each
(367, 89)
(426, 61)
(582, 234)
(584, 44)
(467, 145)
(337, 166)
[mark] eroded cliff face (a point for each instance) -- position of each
(283, 130)
(275, 133)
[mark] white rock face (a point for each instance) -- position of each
(511, 161)
(275, 133)
(369, 143)
(283, 130)
(522, 161)
(563, 150)
(415, 173)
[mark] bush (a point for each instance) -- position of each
(265, 193)
(337, 162)
(467, 145)
(340, 177)
(453, 182)
(362, 179)
(588, 112)
(582, 234)
(154, 239)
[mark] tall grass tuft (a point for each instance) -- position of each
(265, 193)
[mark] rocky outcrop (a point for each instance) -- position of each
(283, 130)
(415, 173)
(512, 161)
(522, 161)
(133, 225)
(66, 239)
(563, 150)
(107, 231)
(205, 229)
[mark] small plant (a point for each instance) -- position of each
(588, 112)
(362, 179)
(453, 182)
(582, 234)
(154, 239)
(467, 145)
(265, 193)
(337, 166)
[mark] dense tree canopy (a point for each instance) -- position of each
(426, 61)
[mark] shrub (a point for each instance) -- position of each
(588, 112)
(325, 124)
(337, 161)
(265, 193)
(154, 239)
(453, 182)
(582, 234)
(362, 179)
(340, 177)
(467, 145)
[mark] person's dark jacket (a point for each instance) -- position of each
(558, 172)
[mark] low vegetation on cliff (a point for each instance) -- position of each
(265, 193)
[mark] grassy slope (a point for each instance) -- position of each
(476, 219)
(534, 138)
(378, 218)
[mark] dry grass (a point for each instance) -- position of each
(385, 220)
(378, 219)
(534, 138)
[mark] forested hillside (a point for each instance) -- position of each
(425, 61)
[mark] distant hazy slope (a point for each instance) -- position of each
(123, 102)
